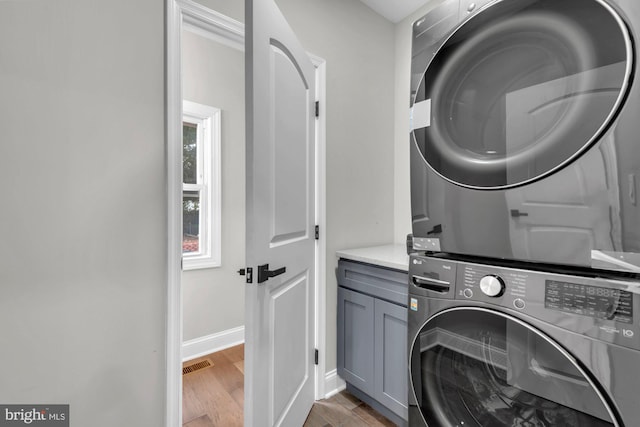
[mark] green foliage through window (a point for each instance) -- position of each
(189, 153)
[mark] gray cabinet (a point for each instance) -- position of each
(390, 356)
(355, 315)
(372, 336)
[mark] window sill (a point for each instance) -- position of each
(198, 263)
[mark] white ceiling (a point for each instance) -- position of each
(395, 10)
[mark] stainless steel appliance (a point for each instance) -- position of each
(525, 124)
(503, 346)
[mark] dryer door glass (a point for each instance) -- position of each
(521, 89)
(475, 367)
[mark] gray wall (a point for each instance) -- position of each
(213, 298)
(83, 214)
(358, 46)
(231, 8)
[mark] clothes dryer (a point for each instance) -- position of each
(502, 347)
(525, 140)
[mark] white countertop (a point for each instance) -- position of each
(390, 256)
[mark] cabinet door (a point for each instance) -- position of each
(391, 363)
(355, 339)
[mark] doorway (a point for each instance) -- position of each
(213, 204)
(199, 329)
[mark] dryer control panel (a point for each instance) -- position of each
(605, 309)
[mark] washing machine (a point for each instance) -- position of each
(494, 346)
(525, 132)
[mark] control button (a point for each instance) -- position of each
(518, 303)
(468, 293)
(492, 286)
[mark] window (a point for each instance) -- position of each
(201, 225)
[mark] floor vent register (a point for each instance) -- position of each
(196, 366)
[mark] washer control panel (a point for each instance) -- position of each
(606, 309)
(492, 285)
(586, 300)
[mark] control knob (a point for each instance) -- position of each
(492, 286)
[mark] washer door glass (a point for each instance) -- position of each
(476, 367)
(521, 89)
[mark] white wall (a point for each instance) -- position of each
(83, 216)
(213, 298)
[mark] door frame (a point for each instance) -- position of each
(186, 14)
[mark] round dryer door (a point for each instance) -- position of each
(474, 367)
(521, 89)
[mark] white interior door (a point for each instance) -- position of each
(279, 320)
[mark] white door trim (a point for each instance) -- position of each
(186, 14)
(173, 408)
(321, 221)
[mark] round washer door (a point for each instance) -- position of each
(475, 367)
(521, 89)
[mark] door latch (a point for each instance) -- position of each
(264, 273)
(248, 273)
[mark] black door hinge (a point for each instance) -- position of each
(316, 357)
(317, 108)
(317, 232)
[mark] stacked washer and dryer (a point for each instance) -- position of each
(524, 300)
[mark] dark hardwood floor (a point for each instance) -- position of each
(214, 396)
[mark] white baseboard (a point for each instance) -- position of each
(333, 384)
(211, 343)
(202, 346)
